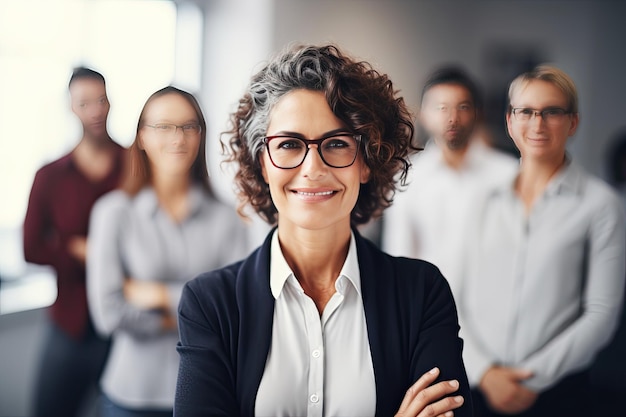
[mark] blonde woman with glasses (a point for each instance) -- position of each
(545, 276)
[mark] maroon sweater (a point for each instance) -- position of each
(58, 209)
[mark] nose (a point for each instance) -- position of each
(537, 119)
(453, 115)
(178, 135)
(313, 165)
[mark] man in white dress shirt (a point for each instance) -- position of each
(429, 220)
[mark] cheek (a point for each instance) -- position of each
(468, 118)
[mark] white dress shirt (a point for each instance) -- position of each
(429, 220)
(543, 291)
(317, 366)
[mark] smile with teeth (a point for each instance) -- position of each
(314, 194)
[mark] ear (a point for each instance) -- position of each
(140, 141)
(263, 167)
(365, 172)
(573, 124)
(508, 123)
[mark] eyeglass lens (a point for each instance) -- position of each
(337, 151)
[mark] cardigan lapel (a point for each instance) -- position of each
(256, 310)
(383, 325)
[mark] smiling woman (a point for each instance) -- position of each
(319, 139)
(147, 239)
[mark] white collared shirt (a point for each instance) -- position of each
(317, 366)
(430, 219)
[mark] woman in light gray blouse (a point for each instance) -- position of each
(161, 228)
(544, 279)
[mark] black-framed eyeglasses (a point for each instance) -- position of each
(338, 150)
(551, 115)
(169, 129)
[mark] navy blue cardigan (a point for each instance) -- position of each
(225, 324)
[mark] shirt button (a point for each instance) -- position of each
(316, 353)
(314, 398)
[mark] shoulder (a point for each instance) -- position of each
(210, 281)
(216, 205)
(111, 205)
(595, 191)
(52, 170)
(497, 159)
(404, 272)
(221, 216)
(214, 290)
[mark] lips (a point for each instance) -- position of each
(305, 193)
(314, 195)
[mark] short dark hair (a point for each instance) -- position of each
(453, 75)
(358, 95)
(83, 73)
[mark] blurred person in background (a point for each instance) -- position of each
(55, 234)
(161, 228)
(429, 220)
(544, 277)
(318, 321)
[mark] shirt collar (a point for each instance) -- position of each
(147, 202)
(569, 178)
(280, 271)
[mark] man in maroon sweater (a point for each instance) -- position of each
(55, 233)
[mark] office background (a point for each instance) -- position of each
(212, 47)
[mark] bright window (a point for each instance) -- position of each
(133, 43)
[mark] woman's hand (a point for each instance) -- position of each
(77, 248)
(504, 391)
(424, 399)
(146, 294)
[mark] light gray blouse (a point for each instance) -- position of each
(543, 291)
(133, 237)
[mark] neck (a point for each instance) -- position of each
(316, 258)
(167, 185)
(454, 158)
(534, 177)
(96, 142)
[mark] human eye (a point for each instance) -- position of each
(164, 127)
(191, 128)
(554, 112)
(441, 108)
(465, 107)
(339, 142)
(288, 144)
(525, 112)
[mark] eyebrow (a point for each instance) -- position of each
(165, 120)
(301, 136)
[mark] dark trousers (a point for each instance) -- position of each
(570, 397)
(69, 370)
